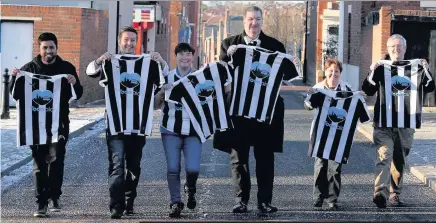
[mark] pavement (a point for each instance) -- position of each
(85, 195)
(421, 161)
(12, 157)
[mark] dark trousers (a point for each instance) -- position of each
(327, 177)
(264, 173)
(48, 170)
(125, 153)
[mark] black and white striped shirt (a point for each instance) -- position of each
(130, 82)
(400, 88)
(202, 95)
(175, 118)
(335, 121)
(257, 78)
(39, 103)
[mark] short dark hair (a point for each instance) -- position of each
(183, 47)
(48, 37)
(127, 29)
(252, 8)
(331, 61)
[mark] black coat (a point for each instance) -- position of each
(250, 132)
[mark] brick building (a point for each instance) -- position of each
(75, 28)
(364, 28)
(87, 29)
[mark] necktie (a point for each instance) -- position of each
(253, 43)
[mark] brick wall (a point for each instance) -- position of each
(94, 38)
(414, 12)
(64, 22)
(373, 38)
(355, 34)
(191, 12)
(319, 35)
(81, 34)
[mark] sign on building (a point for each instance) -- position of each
(143, 14)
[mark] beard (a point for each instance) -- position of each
(127, 50)
(50, 58)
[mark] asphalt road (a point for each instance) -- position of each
(85, 190)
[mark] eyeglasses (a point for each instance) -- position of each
(396, 46)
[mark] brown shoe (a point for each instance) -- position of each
(395, 201)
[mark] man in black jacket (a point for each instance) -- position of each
(392, 135)
(249, 132)
(124, 150)
(48, 175)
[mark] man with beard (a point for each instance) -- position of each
(249, 132)
(124, 150)
(48, 160)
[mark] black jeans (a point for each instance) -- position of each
(264, 173)
(327, 175)
(48, 170)
(125, 153)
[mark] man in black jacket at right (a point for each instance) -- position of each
(249, 132)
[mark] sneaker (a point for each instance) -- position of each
(379, 200)
(395, 201)
(41, 212)
(116, 214)
(192, 203)
(176, 209)
(55, 206)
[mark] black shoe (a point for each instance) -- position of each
(192, 203)
(176, 209)
(41, 212)
(318, 203)
(115, 214)
(395, 201)
(56, 207)
(129, 208)
(379, 200)
(240, 207)
(266, 208)
(333, 207)
(128, 212)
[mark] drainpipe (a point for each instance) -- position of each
(341, 31)
(118, 26)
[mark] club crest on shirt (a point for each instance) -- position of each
(205, 91)
(260, 70)
(337, 114)
(400, 84)
(130, 80)
(42, 97)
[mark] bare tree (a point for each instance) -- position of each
(281, 20)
